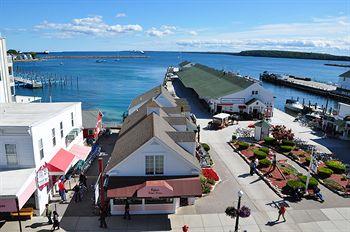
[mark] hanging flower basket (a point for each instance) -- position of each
(244, 212)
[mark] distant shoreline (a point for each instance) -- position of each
(282, 54)
(93, 57)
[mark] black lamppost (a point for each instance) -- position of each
(240, 194)
(198, 130)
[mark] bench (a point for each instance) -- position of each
(24, 213)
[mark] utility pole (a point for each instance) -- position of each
(18, 215)
(100, 170)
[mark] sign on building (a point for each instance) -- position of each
(42, 177)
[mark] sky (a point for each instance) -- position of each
(182, 25)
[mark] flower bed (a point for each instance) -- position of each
(335, 180)
(209, 179)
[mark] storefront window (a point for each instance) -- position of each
(151, 201)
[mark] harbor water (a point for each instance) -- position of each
(110, 84)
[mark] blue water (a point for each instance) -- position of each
(112, 84)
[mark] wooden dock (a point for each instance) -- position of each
(309, 86)
(33, 84)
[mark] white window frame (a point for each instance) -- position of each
(154, 164)
(13, 155)
(61, 129)
(53, 133)
(41, 148)
(72, 118)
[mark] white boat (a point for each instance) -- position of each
(294, 105)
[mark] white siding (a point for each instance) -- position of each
(24, 147)
(344, 110)
(134, 165)
(344, 83)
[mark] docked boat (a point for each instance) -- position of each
(294, 105)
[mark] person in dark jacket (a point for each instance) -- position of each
(82, 179)
(56, 223)
(48, 213)
(127, 210)
(102, 218)
(77, 194)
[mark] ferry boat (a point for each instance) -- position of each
(293, 105)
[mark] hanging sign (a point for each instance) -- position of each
(42, 177)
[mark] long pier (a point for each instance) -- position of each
(33, 84)
(305, 84)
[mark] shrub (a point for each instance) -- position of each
(264, 163)
(205, 147)
(336, 166)
(244, 212)
(288, 170)
(308, 160)
(294, 184)
(211, 181)
(264, 149)
(288, 143)
(312, 183)
(324, 172)
(209, 173)
(333, 185)
(243, 145)
(206, 187)
(269, 140)
(286, 148)
(234, 137)
(260, 154)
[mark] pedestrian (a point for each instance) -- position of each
(317, 192)
(274, 164)
(256, 161)
(281, 212)
(82, 179)
(56, 223)
(48, 213)
(62, 191)
(127, 210)
(252, 167)
(102, 218)
(77, 194)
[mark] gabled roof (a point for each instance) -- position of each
(151, 126)
(182, 136)
(212, 83)
(152, 93)
(251, 101)
(262, 123)
(176, 120)
(346, 74)
(89, 118)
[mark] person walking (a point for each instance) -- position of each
(318, 194)
(77, 194)
(281, 212)
(62, 191)
(48, 213)
(56, 223)
(127, 210)
(102, 218)
(82, 179)
(252, 167)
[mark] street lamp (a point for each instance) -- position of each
(240, 194)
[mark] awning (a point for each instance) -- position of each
(81, 152)
(156, 188)
(60, 163)
(140, 187)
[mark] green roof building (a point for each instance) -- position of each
(225, 91)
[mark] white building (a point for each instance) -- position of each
(153, 164)
(6, 69)
(163, 98)
(344, 83)
(226, 92)
(34, 137)
(7, 84)
(338, 123)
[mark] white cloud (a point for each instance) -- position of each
(87, 26)
(120, 15)
(194, 33)
(162, 31)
